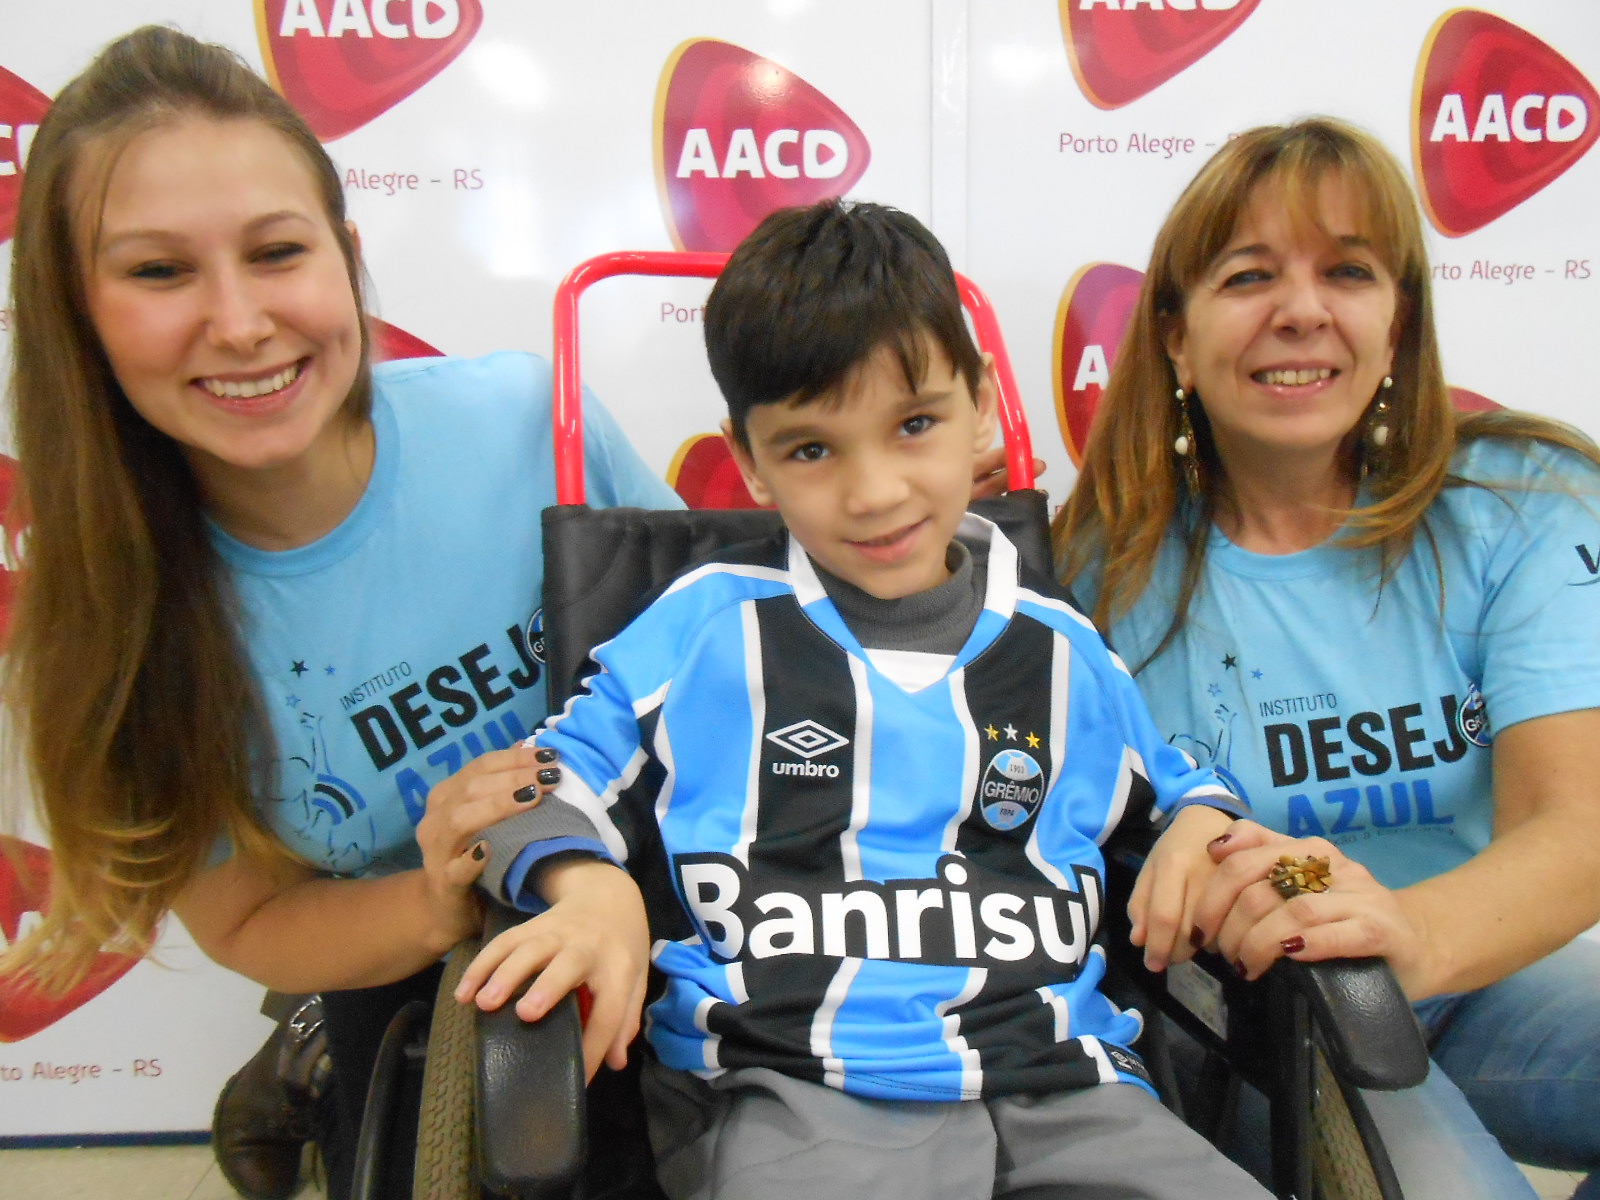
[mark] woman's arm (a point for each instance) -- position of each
(1530, 891)
(1534, 887)
(293, 930)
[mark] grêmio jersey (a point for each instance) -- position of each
(891, 892)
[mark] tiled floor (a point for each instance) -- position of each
(188, 1173)
(117, 1173)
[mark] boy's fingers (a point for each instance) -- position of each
(1165, 911)
(601, 1032)
(617, 1058)
(1229, 885)
(554, 975)
(1138, 905)
(481, 968)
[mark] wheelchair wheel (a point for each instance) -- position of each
(1342, 1156)
(446, 1168)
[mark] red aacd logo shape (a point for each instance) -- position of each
(1121, 49)
(1090, 321)
(704, 474)
(738, 136)
(1497, 116)
(24, 888)
(390, 341)
(1463, 400)
(342, 62)
(22, 107)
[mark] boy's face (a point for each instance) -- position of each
(873, 480)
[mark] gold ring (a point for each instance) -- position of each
(1296, 876)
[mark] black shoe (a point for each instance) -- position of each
(263, 1115)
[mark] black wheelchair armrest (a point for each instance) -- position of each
(1364, 1022)
(529, 1097)
(1369, 1032)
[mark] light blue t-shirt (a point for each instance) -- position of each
(406, 642)
(1370, 721)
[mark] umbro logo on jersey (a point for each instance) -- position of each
(807, 739)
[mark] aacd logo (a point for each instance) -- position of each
(1090, 321)
(738, 136)
(1497, 116)
(342, 62)
(1121, 49)
(22, 107)
(24, 893)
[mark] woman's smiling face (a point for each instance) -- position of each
(1288, 334)
(221, 295)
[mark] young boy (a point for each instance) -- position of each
(861, 772)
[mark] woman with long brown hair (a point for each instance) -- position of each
(273, 597)
(1369, 612)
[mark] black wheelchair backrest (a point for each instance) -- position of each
(603, 565)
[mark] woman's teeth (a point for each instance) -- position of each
(1294, 378)
(250, 388)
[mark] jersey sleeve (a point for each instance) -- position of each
(603, 803)
(1175, 780)
(1539, 625)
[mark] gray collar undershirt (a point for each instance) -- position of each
(936, 621)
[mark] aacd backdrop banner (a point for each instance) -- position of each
(487, 146)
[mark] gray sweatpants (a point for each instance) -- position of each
(753, 1134)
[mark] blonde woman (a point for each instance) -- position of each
(1372, 614)
(276, 645)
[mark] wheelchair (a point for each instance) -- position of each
(504, 1107)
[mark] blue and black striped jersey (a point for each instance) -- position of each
(892, 892)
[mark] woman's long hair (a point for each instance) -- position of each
(138, 720)
(1131, 491)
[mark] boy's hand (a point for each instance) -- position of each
(1169, 887)
(594, 933)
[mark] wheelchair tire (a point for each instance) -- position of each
(446, 1167)
(1341, 1155)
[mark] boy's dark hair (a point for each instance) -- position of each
(812, 292)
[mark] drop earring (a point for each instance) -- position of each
(1378, 432)
(1184, 445)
